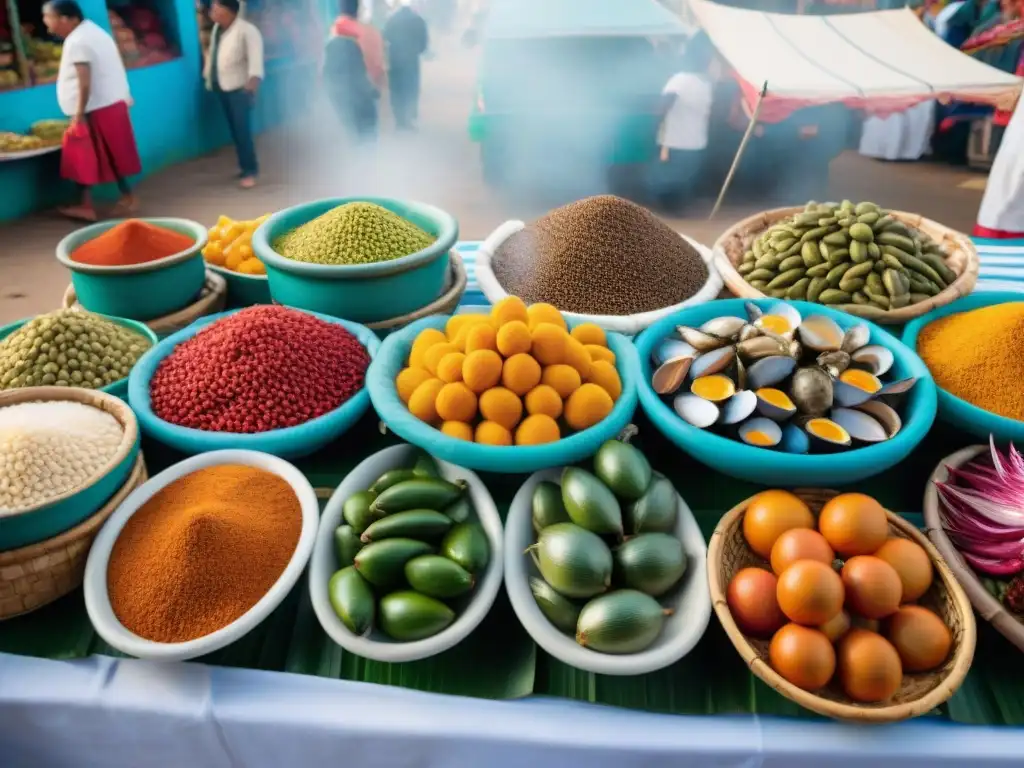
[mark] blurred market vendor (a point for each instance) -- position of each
(366, 36)
(92, 90)
(406, 37)
(234, 71)
(1002, 208)
(348, 86)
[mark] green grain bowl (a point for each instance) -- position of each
(119, 388)
(363, 293)
(140, 291)
(243, 290)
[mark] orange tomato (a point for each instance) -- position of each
(869, 667)
(810, 593)
(800, 544)
(752, 602)
(920, 637)
(873, 587)
(912, 564)
(803, 656)
(854, 524)
(769, 515)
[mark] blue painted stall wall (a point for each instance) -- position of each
(174, 118)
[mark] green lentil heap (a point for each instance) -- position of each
(69, 348)
(354, 233)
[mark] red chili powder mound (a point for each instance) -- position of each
(131, 242)
(263, 368)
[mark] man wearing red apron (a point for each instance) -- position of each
(92, 90)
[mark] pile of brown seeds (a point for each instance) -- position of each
(600, 256)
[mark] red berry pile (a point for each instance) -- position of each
(263, 368)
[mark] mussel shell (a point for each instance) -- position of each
(739, 373)
(770, 320)
(720, 388)
(822, 442)
(699, 340)
(769, 371)
(725, 327)
(695, 411)
(898, 387)
(811, 390)
(670, 349)
(760, 347)
(794, 439)
(821, 333)
(771, 410)
(670, 375)
(885, 415)
(760, 426)
(874, 358)
(712, 362)
(739, 407)
(856, 337)
(861, 426)
(749, 332)
(849, 396)
(753, 311)
(834, 363)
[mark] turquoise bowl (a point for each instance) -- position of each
(364, 293)
(44, 521)
(288, 443)
(957, 411)
(244, 290)
(394, 353)
(140, 291)
(776, 468)
(119, 388)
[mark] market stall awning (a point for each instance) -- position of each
(530, 19)
(880, 61)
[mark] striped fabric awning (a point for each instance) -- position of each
(1002, 265)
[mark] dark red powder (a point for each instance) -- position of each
(264, 368)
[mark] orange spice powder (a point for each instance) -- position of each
(131, 242)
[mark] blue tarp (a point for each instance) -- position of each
(530, 19)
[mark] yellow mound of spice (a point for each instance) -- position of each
(979, 357)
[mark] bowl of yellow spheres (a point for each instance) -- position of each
(229, 253)
(514, 390)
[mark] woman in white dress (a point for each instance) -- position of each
(1002, 208)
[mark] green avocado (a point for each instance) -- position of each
(623, 468)
(651, 562)
(467, 545)
(547, 505)
(656, 510)
(624, 621)
(573, 560)
(589, 502)
(408, 616)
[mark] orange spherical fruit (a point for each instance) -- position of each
(920, 637)
(769, 515)
(800, 544)
(837, 626)
(752, 602)
(803, 656)
(912, 564)
(870, 670)
(810, 592)
(873, 587)
(853, 524)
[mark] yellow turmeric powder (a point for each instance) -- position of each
(979, 357)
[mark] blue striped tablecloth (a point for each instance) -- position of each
(1002, 264)
(473, 297)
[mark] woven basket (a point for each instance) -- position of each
(36, 575)
(212, 299)
(920, 693)
(990, 609)
(962, 259)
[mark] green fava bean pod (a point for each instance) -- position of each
(418, 493)
(408, 616)
(346, 545)
(411, 524)
(357, 510)
(438, 577)
(352, 600)
(467, 545)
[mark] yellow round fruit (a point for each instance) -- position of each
(458, 429)
(544, 313)
(589, 333)
(454, 324)
(508, 309)
(462, 337)
(427, 338)
(544, 400)
(422, 404)
(492, 433)
(450, 367)
(432, 357)
(501, 406)
(481, 336)
(597, 352)
(549, 342)
(514, 338)
(606, 377)
(482, 370)
(520, 373)
(408, 379)
(537, 430)
(577, 356)
(456, 402)
(587, 406)
(564, 379)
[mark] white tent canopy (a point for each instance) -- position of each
(886, 59)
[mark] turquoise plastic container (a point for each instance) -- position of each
(141, 291)
(394, 353)
(776, 468)
(49, 520)
(244, 290)
(118, 389)
(289, 443)
(364, 293)
(952, 409)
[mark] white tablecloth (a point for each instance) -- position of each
(107, 713)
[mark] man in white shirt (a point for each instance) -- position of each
(234, 71)
(686, 106)
(92, 90)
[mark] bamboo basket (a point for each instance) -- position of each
(962, 259)
(212, 299)
(987, 606)
(36, 575)
(920, 693)
(445, 304)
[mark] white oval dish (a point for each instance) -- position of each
(690, 602)
(97, 600)
(630, 325)
(376, 645)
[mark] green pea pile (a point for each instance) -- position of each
(354, 233)
(69, 348)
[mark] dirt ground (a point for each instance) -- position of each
(439, 164)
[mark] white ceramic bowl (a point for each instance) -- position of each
(691, 602)
(97, 601)
(376, 645)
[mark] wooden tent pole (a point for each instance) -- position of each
(739, 151)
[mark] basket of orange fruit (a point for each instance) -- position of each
(229, 253)
(515, 389)
(840, 605)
